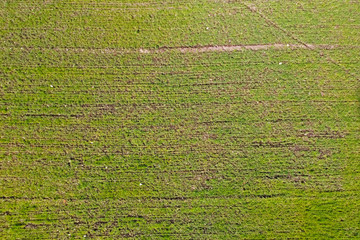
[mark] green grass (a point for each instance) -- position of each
(124, 25)
(105, 143)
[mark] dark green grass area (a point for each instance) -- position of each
(318, 22)
(98, 142)
(101, 24)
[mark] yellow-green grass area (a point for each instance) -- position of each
(100, 139)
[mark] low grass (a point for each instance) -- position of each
(98, 141)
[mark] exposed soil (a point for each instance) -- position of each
(230, 48)
(196, 49)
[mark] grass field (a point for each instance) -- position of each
(213, 119)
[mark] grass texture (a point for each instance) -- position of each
(109, 131)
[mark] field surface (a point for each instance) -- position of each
(201, 119)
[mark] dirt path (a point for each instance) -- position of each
(195, 49)
(254, 47)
